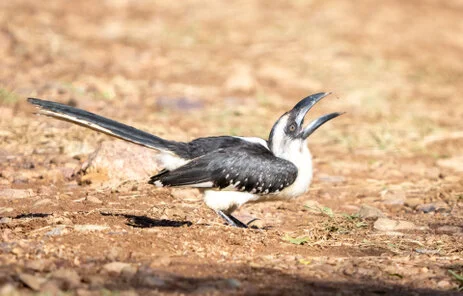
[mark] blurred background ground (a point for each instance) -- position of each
(383, 215)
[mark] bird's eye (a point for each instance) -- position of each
(292, 127)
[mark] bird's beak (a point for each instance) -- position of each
(301, 109)
(317, 123)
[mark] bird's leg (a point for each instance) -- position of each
(232, 221)
(238, 222)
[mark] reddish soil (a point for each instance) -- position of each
(188, 69)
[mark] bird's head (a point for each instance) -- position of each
(288, 134)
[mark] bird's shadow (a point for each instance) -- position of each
(147, 222)
(32, 215)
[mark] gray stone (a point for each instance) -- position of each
(233, 283)
(393, 197)
(369, 212)
(59, 230)
(433, 207)
(6, 220)
(384, 224)
(116, 161)
(427, 251)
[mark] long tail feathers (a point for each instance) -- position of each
(107, 126)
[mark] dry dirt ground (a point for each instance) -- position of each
(384, 214)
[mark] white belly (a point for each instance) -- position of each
(227, 201)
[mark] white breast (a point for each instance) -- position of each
(301, 157)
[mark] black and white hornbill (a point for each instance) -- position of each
(231, 170)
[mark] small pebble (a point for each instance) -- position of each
(116, 267)
(369, 212)
(93, 199)
(5, 220)
(55, 231)
(444, 285)
(413, 202)
(432, 207)
(233, 283)
(384, 224)
(90, 227)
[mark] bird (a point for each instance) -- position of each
(230, 171)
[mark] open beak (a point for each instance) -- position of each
(304, 106)
(317, 123)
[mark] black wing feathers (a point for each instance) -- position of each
(251, 168)
(191, 173)
(202, 146)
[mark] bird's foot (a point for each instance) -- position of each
(232, 221)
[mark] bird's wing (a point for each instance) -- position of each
(251, 167)
(202, 146)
